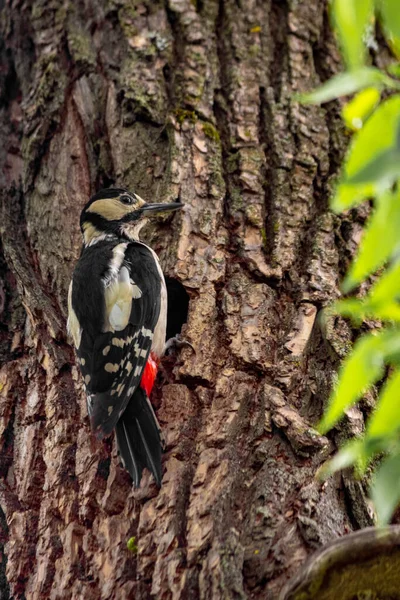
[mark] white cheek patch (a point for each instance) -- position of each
(111, 209)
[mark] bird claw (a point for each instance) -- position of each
(177, 342)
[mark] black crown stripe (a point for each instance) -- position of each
(109, 193)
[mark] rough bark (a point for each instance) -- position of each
(191, 100)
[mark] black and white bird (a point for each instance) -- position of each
(117, 311)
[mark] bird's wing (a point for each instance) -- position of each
(113, 356)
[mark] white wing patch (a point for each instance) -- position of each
(73, 325)
(137, 292)
(119, 315)
(115, 264)
(118, 297)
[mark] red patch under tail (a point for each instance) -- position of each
(149, 374)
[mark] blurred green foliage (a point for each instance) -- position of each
(371, 171)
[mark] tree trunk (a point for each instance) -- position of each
(188, 99)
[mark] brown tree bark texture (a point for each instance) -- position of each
(191, 100)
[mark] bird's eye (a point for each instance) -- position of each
(126, 199)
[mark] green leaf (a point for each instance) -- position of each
(385, 490)
(347, 83)
(360, 310)
(346, 457)
(383, 301)
(380, 241)
(352, 308)
(361, 369)
(390, 18)
(383, 170)
(351, 18)
(385, 421)
(377, 136)
(358, 110)
(394, 69)
(386, 312)
(387, 289)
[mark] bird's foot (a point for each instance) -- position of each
(177, 342)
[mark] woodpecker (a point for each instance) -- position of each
(117, 311)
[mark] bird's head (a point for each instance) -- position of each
(118, 212)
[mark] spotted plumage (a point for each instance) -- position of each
(117, 319)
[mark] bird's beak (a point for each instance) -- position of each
(150, 209)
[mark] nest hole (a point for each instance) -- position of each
(178, 306)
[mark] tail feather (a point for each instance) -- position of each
(138, 437)
(128, 452)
